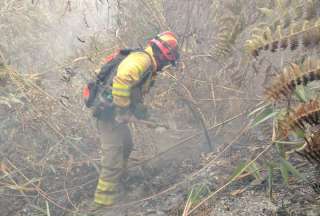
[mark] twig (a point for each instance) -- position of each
(197, 116)
(213, 96)
(149, 123)
(182, 142)
(17, 186)
(183, 86)
(29, 83)
(39, 190)
(230, 99)
(188, 205)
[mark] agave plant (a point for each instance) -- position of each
(305, 33)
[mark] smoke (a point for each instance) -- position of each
(39, 35)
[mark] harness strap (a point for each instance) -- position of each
(126, 92)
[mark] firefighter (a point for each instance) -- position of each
(132, 79)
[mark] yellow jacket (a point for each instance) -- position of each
(130, 72)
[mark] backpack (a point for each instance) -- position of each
(96, 88)
(97, 93)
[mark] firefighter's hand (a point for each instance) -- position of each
(140, 111)
(123, 119)
(122, 115)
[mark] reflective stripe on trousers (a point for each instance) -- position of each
(105, 192)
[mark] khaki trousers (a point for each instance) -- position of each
(116, 146)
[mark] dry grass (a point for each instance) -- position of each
(49, 135)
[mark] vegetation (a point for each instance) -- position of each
(247, 83)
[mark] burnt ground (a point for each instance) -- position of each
(161, 175)
(50, 150)
(165, 166)
(160, 184)
(160, 187)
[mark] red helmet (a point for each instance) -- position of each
(168, 45)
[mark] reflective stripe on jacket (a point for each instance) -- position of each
(130, 72)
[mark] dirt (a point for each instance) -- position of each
(256, 202)
(49, 145)
(148, 180)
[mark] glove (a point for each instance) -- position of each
(122, 115)
(140, 111)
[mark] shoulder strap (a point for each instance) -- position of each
(124, 53)
(151, 59)
(144, 76)
(149, 71)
